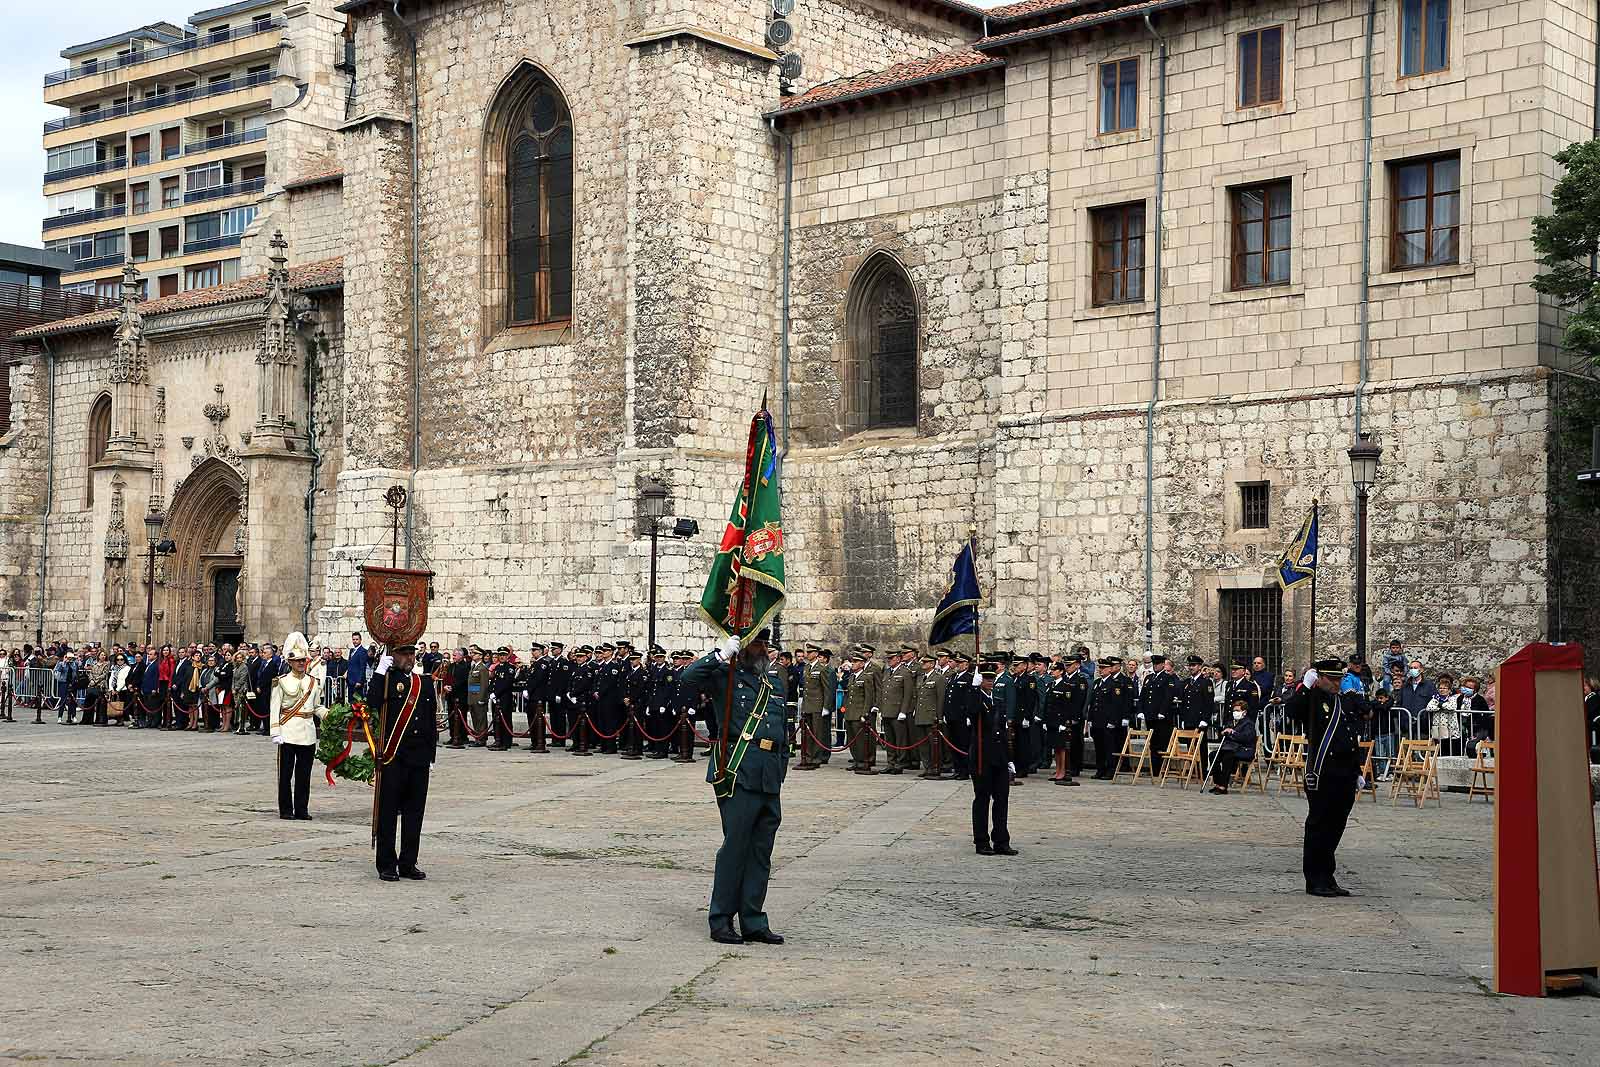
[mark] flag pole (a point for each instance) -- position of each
(1315, 525)
(977, 654)
(740, 592)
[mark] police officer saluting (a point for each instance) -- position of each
(1333, 761)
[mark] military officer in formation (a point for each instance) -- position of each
(478, 679)
(819, 689)
(993, 766)
(861, 708)
(1157, 707)
(502, 698)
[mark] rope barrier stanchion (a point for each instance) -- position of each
(664, 737)
(630, 748)
(685, 731)
(536, 728)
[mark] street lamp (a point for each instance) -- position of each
(153, 521)
(1364, 456)
(653, 505)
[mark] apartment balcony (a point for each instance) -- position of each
(159, 102)
(207, 244)
(226, 140)
(219, 48)
(96, 262)
(73, 218)
(83, 170)
(222, 192)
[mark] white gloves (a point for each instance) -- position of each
(1012, 767)
(1202, 724)
(1061, 729)
(901, 717)
(1309, 679)
(249, 696)
(1029, 722)
(277, 739)
(969, 722)
(874, 711)
(1361, 782)
(1124, 722)
(384, 663)
(1311, 782)
(728, 649)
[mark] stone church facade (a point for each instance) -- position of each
(1095, 279)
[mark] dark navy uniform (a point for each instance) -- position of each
(991, 777)
(1158, 701)
(403, 782)
(1112, 706)
(1333, 760)
(503, 692)
(957, 714)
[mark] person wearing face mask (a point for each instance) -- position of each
(746, 782)
(1444, 716)
(1477, 724)
(1333, 763)
(1413, 699)
(1238, 745)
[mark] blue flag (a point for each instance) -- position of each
(1299, 561)
(958, 611)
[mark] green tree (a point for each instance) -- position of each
(1567, 241)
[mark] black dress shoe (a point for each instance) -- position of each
(763, 937)
(1006, 851)
(389, 876)
(303, 818)
(415, 874)
(1338, 890)
(1322, 891)
(283, 816)
(725, 935)
(985, 850)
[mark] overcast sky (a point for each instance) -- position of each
(34, 34)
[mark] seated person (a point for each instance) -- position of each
(1238, 745)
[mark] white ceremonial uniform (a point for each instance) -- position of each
(300, 728)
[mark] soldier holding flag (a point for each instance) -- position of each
(750, 743)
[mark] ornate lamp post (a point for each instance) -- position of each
(1364, 456)
(153, 521)
(653, 505)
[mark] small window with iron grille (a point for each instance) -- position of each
(1251, 625)
(1253, 506)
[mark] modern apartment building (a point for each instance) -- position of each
(161, 153)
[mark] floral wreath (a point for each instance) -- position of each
(336, 739)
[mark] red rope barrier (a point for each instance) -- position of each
(665, 737)
(557, 734)
(507, 724)
(951, 744)
(896, 748)
(606, 736)
(462, 719)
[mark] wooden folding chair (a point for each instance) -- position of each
(1366, 770)
(1253, 771)
(1482, 783)
(1292, 771)
(1182, 758)
(1415, 774)
(1275, 755)
(1136, 746)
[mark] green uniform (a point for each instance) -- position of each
(747, 799)
(892, 700)
(861, 701)
(816, 711)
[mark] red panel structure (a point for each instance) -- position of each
(1546, 896)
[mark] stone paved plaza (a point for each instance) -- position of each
(156, 911)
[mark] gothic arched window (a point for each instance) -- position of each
(99, 440)
(884, 342)
(539, 194)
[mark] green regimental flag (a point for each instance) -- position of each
(745, 588)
